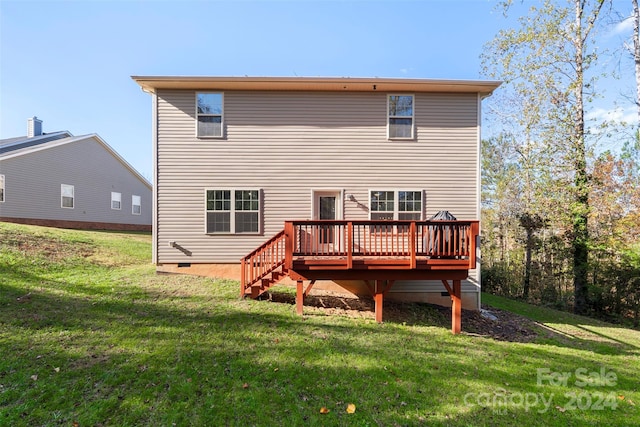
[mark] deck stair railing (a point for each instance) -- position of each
(263, 267)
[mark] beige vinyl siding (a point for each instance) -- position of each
(33, 183)
(289, 143)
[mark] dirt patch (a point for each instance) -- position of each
(33, 245)
(506, 327)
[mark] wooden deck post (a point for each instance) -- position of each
(456, 307)
(289, 243)
(299, 297)
(243, 279)
(378, 297)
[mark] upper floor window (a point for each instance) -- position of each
(1, 188)
(209, 111)
(67, 195)
(116, 200)
(136, 205)
(400, 112)
(233, 211)
(396, 205)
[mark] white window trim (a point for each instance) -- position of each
(116, 199)
(413, 118)
(222, 132)
(133, 204)
(396, 201)
(3, 188)
(73, 196)
(318, 192)
(232, 211)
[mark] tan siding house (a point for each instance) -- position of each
(282, 149)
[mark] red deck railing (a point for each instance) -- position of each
(409, 240)
(345, 244)
(262, 261)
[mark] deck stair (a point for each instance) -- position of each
(263, 267)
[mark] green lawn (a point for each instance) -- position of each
(89, 334)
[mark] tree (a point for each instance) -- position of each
(636, 51)
(545, 64)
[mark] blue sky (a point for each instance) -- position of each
(70, 62)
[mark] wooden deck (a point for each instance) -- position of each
(378, 252)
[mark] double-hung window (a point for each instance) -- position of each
(67, 196)
(116, 200)
(400, 117)
(396, 205)
(1, 188)
(136, 205)
(209, 111)
(233, 211)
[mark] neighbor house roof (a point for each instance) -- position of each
(21, 146)
(337, 84)
(20, 142)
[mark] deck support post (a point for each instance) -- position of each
(299, 297)
(456, 307)
(378, 296)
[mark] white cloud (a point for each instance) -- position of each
(618, 115)
(623, 27)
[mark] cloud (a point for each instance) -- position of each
(623, 27)
(619, 115)
(405, 70)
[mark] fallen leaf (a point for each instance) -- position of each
(34, 377)
(621, 397)
(324, 410)
(351, 408)
(276, 369)
(245, 385)
(561, 409)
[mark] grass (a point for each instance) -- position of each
(91, 336)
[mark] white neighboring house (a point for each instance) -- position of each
(61, 180)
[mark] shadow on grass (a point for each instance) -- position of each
(135, 355)
(563, 328)
(509, 326)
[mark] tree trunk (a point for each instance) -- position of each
(636, 52)
(527, 265)
(580, 211)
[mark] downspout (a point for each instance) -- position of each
(479, 198)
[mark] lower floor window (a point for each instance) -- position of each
(233, 211)
(136, 205)
(396, 205)
(67, 195)
(116, 200)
